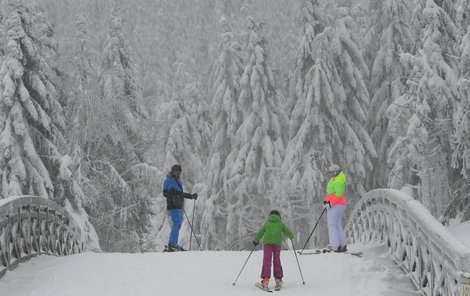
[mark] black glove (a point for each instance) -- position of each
(326, 204)
(194, 196)
(255, 243)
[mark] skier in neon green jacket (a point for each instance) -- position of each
(335, 204)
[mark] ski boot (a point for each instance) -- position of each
(278, 285)
(170, 248)
(264, 285)
(341, 249)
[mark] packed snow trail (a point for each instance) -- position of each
(204, 273)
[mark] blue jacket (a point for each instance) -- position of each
(173, 191)
(170, 182)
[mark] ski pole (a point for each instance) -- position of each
(314, 227)
(298, 264)
(244, 264)
(192, 230)
(192, 222)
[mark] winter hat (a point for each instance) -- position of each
(334, 168)
(176, 169)
(275, 212)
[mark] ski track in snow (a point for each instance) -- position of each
(204, 273)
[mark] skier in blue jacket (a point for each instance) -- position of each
(173, 191)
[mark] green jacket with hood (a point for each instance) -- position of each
(273, 230)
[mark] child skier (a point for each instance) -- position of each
(272, 231)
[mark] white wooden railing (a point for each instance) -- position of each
(31, 226)
(436, 262)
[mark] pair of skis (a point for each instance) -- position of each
(324, 251)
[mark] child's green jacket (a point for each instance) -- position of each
(272, 231)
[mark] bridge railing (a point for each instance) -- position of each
(436, 262)
(31, 226)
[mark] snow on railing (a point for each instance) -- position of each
(31, 226)
(436, 262)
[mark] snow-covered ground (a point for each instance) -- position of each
(210, 273)
(204, 273)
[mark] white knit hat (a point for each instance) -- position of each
(334, 168)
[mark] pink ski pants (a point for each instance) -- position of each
(272, 253)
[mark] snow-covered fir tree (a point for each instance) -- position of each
(301, 179)
(431, 150)
(114, 152)
(314, 21)
(327, 122)
(82, 86)
(388, 36)
(462, 112)
(459, 205)
(226, 119)
(32, 141)
(400, 126)
(281, 28)
(257, 148)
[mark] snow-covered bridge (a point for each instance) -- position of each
(436, 262)
(31, 226)
(387, 225)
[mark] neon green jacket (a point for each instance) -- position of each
(335, 189)
(273, 230)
